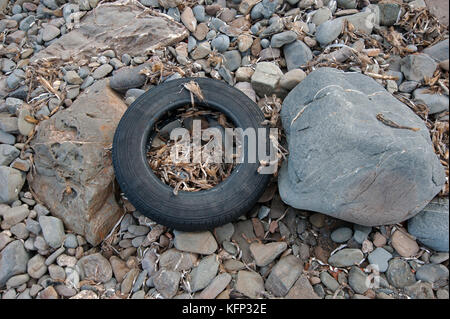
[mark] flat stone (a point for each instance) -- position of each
(280, 39)
(188, 19)
(216, 286)
(206, 270)
(243, 230)
(249, 283)
(246, 5)
(269, 54)
(174, 259)
(221, 43)
(201, 31)
(65, 133)
(362, 22)
(420, 290)
(358, 280)
(201, 51)
(13, 261)
(95, 267)
(50, 32)
(346, 257)
(166, 282)
(283, 275)
(15, 215)
(264, 254)
(224, 232)
(233, 265)
(302, 289)
(432, 273)
(36, 267)
(102, 71)
(341, 235)
(48, 293)
(195, 242)
(16, 281)
(439, 258)
(128, 280)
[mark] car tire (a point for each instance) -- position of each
(186, 211)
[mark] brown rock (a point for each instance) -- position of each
(119, 268)
(15, 37)
(244, 74)
(258, 228)
(212, 9)
(264, 254)
(201, 31)
(321, 254)
(245, 41)
(241, 23)
(129, 32)
(181, 49)
(317, 220)
(243, 231)
(247, 5)
(71, 151)
(256, 47)
(227, 14)
(48, 293)
(444, 65)
(404, 244)
(188, 19)
(379, 240)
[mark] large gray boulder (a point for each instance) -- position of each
(346, 163)
(74, 173)
(430, 226)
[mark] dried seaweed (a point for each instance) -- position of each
(190, 176)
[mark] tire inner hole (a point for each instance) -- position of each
(175, 166)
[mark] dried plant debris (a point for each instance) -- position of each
(187, 174)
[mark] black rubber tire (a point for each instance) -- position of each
(187, 211)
